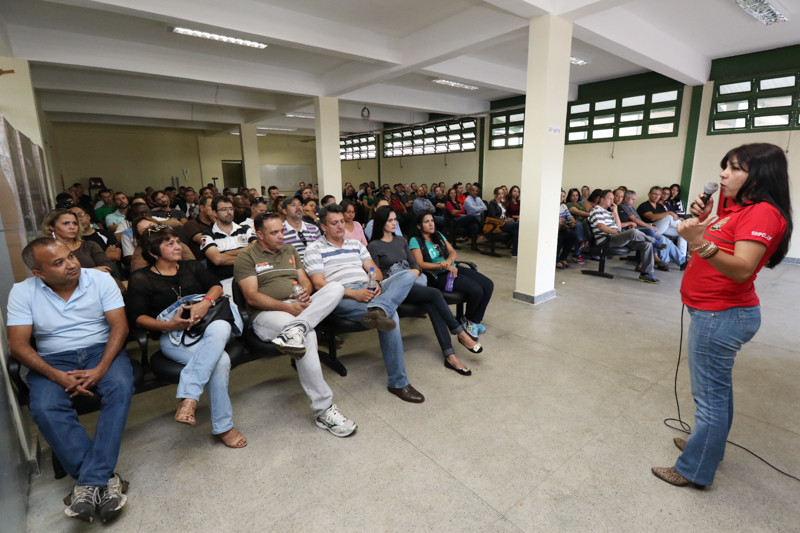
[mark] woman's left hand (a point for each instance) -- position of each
(693, 230)
(415, 272)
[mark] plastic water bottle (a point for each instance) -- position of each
(297, 289)
(448, 286)
(373, 280)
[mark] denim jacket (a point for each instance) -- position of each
(175, 336)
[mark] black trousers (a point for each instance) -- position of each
(476, 286)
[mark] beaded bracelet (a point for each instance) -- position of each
(710, 252)
(704, 247)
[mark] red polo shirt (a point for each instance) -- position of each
(704, 287)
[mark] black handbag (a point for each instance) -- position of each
(220, 311)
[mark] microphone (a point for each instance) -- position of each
(709, 190)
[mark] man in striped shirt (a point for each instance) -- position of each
(333, 258)
(295, 231)
(605, 228)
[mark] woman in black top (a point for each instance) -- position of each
(391, 254)
(154, 289)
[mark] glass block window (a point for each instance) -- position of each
(437, 138)
(637, 115)
(761, 103)
(506, 129)
(358, 147)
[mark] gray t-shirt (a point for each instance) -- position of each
(387, 254)
(625, 213)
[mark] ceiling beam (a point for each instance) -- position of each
(128, 121)
(402, 97)
(469, 70)
(526, 9)
(576, 9)
(114, 83)
(137, 107)
(644, 44)
(259, 21)
(47, 45)
(470, 30)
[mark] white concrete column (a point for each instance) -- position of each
(549, 48)
(250, 165)
(329, 166)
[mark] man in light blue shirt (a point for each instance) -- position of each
(113, 219)
(423, 203)
(473, 205)
(78, 320)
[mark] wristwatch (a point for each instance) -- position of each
(213, 301)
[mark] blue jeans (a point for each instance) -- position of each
(90, 462)
(715, 337)
(470, 222)
(512, 227)
(205, 363)
(394, 290)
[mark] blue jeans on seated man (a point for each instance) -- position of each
(205, 363)
(394, 290)
(715, 337)
(670, 253)
(90, 462)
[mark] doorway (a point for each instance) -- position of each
(232, 174)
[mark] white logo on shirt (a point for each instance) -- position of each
(760, 234)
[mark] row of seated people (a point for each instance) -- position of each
(614, 221)
(80, 322)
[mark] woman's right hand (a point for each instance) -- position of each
(105, 269)
(452, 269)
(698, 208)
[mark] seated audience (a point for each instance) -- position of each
(459, 187)
(163, 210)
(275, 206)
(627, 213)
(347, 262)
(473, 204)
(619, 200)
(77, 317)
(190, 203)
(352, 229)
(140, 227)
(272, 194)
(676, 201)
(368, 227)
(435, 256)
(568, 236)
(198, 226)
(666, 195)
(310, 211)
(368, 198)
(665, 221)
(161, 291)
(605, 227)
(266, 273)
(327, 199)
(391, 255)
(224, 242)
(579, 214)
(497, 209)
(63, 225)
(585, 193)
(296, 231)
(241, 209)
(113, 219)
(105, 239)
(423, 203)
(461, 219)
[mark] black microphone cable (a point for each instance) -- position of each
(686, 428)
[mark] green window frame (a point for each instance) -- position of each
(506, 129)
(768, 102)
(650, 114)
(353, 147)
(444, 137)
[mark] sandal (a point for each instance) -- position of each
(233, 439)
(185, 413)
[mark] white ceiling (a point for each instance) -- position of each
(115, 62)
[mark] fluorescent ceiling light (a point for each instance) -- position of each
(299, 115)
(766, 12)
(257, 134)
(579, 60)
(220, 38)
(456, 84)
(276, 128)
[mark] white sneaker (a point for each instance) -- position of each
(291, 342)
(335, 422)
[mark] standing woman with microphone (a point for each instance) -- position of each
(753, 229)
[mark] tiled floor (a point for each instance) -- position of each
(556, 430)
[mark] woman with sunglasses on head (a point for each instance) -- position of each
(391, 254)
(139, 227)
(754, 229)
(434, 255)
(152, 290)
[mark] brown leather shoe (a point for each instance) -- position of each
(408, 394)
(680, 443)
(376, 318)
(670, 476)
